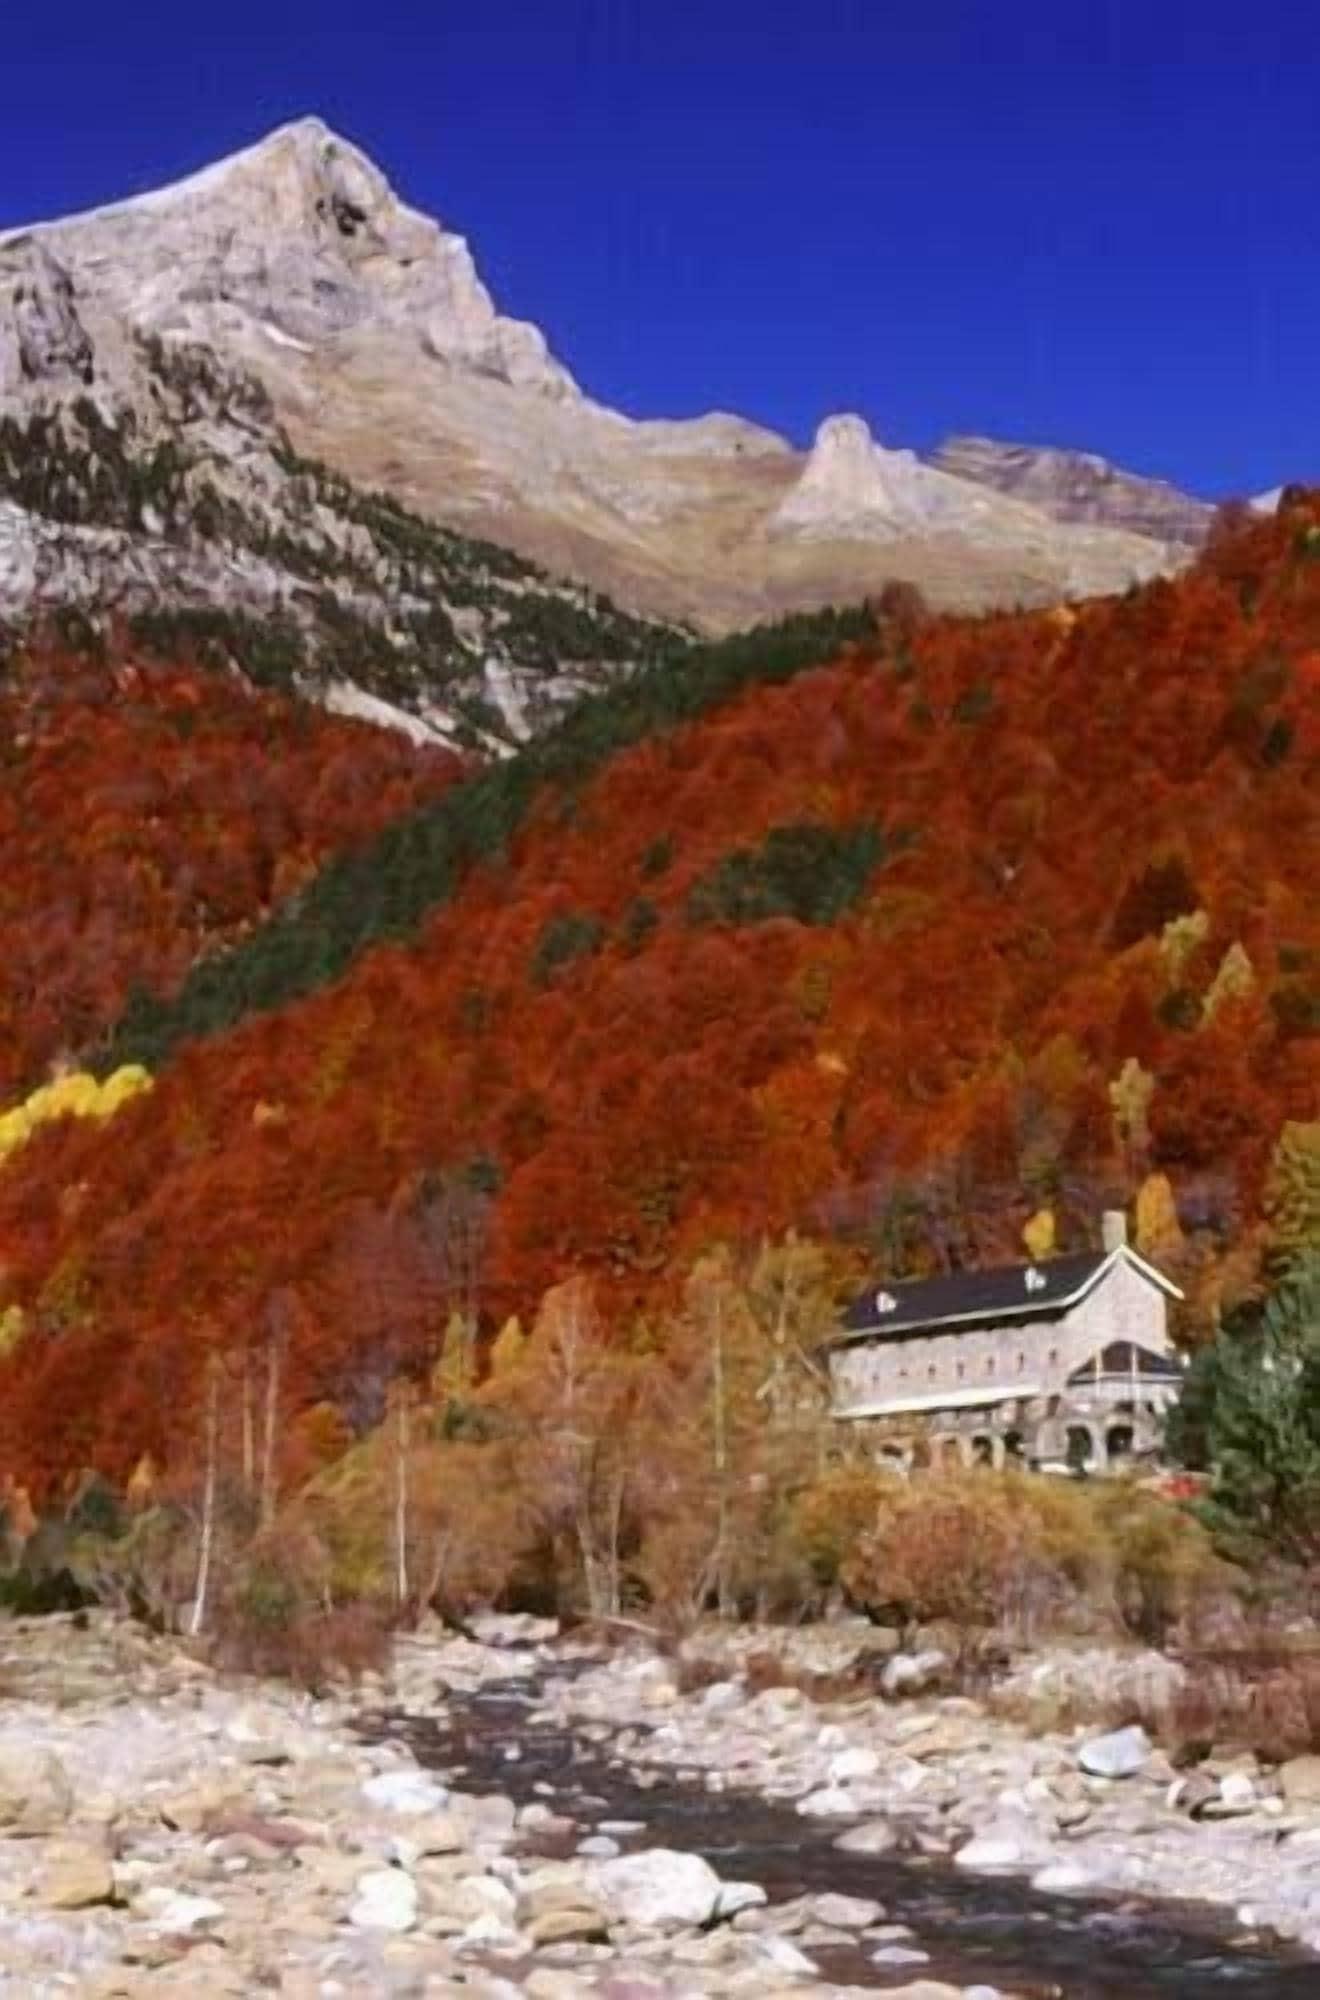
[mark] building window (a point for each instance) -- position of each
(989, 1364)
(1021, 1363)
(962, 1370)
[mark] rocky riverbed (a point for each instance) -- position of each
(1077, 1812)
(165, 1830)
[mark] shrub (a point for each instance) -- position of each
(983, 1550)
(1070, 1574)
(830, 1518)
(1258, 1698)
(312, 1648)
(1162, 1564)
(39, 1594)
(947, 1549)
(467, 1519)
(274, 1614)
(149, 1570)
(95, 1509)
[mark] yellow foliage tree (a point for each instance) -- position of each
(572, 1408)
(1159, 1232)
(454, 1376)
(1181, 938)
(1039, 1234)
(507, 1347)
(1292, 1196)
(141, 1489)
(1233, 981)
(76, 1095)
(1130, 1094)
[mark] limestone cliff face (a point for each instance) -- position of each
(42, 339)
(1078, 486)
(849, 482)
(299, 237)
(281, 324)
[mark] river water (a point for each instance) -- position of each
(992, 1930)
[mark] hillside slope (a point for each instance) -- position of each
(157, 486)
(149, 813)
(975, 916)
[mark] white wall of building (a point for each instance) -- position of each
(1032, 1359)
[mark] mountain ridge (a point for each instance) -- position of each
(364, 324)
(1079, 486)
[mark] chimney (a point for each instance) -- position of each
(1113, 1229)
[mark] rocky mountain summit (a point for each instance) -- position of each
(275, 392)
(297, 239)
(849, 480)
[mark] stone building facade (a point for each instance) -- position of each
(1062, 1364)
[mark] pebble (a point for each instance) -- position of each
(899, 1954)
(874, 1836)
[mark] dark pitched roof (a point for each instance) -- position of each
(970, 1298)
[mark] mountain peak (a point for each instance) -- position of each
(307, 141)
(320, 158)
(850, 480)
(297, 238)
(309, 130)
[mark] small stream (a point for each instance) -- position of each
(991, 1929)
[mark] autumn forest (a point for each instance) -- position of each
(892, 934)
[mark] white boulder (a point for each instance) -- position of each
(35, 1793)
(386, 1901)
(1120, 1754)
(661, 1889)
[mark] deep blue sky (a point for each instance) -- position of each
(1057, 220)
